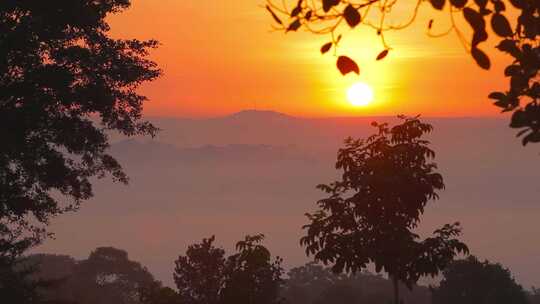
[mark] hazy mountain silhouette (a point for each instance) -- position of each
(256, 171)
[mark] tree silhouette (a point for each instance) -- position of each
(251, 277)
(204, 275)
(16, 285)
(109, 276)
(470, 281)
(199, 274)
(370, 213)
(520, 42)
(313, 283)
(64, 84)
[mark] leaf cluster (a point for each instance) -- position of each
(519, 39)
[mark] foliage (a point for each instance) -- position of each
(534, 296)
(107, 276)
(313, 283)
(64, 83)
(470, 281)
(250, 275)
(520, 42)
(199, 274)
(370, 213)
(16, 284)
(158, 294)
(204, 275)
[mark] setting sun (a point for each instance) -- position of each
(360, 94)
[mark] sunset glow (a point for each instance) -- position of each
(360, 94)
(222, 57)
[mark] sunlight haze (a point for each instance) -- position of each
(215, 64)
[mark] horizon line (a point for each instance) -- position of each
(229, 114)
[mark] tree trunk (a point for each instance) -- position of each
(396, 289)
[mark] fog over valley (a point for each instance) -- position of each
(256, 172)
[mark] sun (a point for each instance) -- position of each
(360, 94)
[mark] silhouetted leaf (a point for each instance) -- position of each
(522, 132)
(533, 137)
(458, 3)
(497, 95)
(499, 6)
(438, 4)
(511, 70)
(347, 65)
(519, 119)
(479, 36)
(519, 82)
(294, 26)
(297, 10)
(481, 3)
(328, 4)
(501, 26)
(481, 58)
(474, 18)
(485, 11)
(382, 54)
(276, 18)
(326, 47)
(308, 15)
(352, 16)
(509, 46)
(530, 25)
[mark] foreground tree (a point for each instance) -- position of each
(518, 38)
(64, 83)
(250, 276)
(471, 281)
(370, 213)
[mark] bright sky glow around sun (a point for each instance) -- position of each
(360, 94)
(220, 57)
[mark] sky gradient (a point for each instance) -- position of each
(220, 57)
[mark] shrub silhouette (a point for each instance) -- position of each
(471, 281)
(250, 276)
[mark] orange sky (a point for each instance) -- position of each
(220, 57)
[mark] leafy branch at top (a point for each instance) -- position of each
(519, 39)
